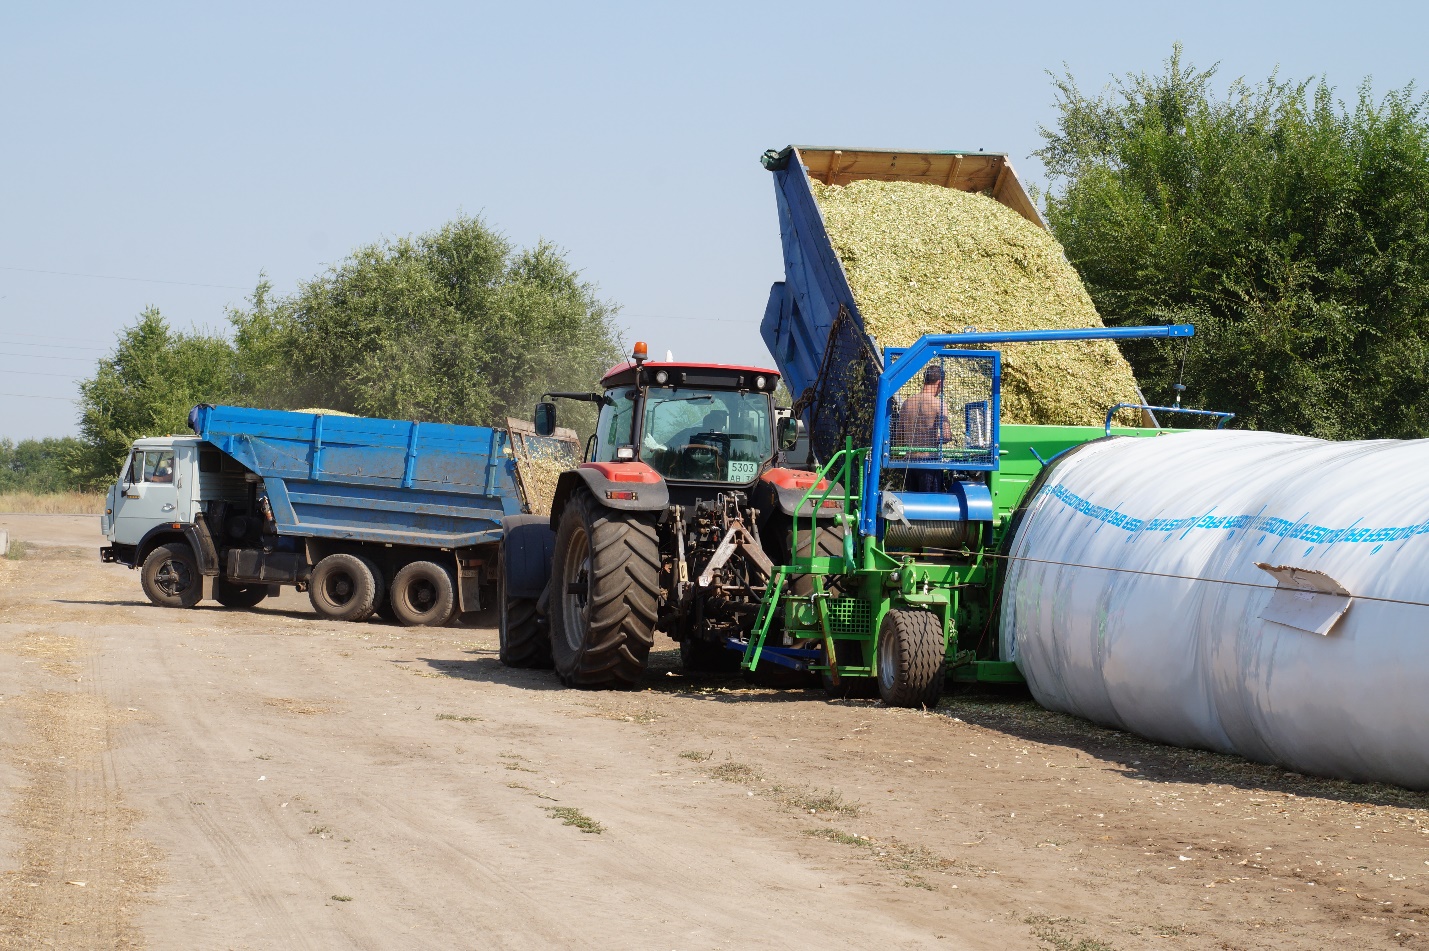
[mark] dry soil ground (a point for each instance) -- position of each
(254, 780)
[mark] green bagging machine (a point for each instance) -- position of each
(902, 592)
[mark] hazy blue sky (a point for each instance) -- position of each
(199, 144)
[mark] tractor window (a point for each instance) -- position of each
(706, 435)
(613, 429)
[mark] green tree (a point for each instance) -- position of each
(37, 465)
(146, 388)
(1292, 229)
(455, 325)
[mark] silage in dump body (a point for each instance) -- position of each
(927, 259)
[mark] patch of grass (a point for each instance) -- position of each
(893, 855)
(52, 503)
(1053, 931)
(342, 898)
(15, 550)
(699, 756)
(321, 832)
(571, 816)
(807, 799)
(733, 772)
(454, 717)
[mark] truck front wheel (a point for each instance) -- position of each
(607, 594)
(171, 578)
(524, 640)
(342, 588)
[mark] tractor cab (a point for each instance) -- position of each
(696, 426)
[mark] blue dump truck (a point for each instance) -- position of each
(398, 518)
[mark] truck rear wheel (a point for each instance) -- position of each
(171, 578)
(910, 658)
(525, 642)
(603, 610)
(423, 595)
(342, 588)
(234, 595)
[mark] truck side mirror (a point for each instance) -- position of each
(788, 433)
(545, 419)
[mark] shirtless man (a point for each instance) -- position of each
(923, 424)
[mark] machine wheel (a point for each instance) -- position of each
(379, 586)
(848, 688)
(910, 658)
(423, 595)
(607, 594)
(525, 642)
(170, 576)
(707, 657)
(342, 588)
(234, 595)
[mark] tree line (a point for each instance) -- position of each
(1290, 227)
(457, 325)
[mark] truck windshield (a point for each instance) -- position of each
(706, 435)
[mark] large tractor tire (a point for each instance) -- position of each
(170, 576)
(524, 637)
(342, 588)
(708, 658)
(606, 594)
(778, 538)
(423, 595)
(848, 688)
(910, 658)
(232, 594)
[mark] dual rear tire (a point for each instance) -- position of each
(346, 587)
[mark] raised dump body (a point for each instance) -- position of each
(818, 359)
(395, 517)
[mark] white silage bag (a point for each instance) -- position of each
(1134, 598)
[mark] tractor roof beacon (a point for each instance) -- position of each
(673, 522)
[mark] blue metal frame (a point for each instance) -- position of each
(910, 360)
(1223, 417)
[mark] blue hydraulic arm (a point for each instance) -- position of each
(909, 361)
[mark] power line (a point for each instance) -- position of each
(45, 356)
(114, 277)
(4, 372)
(36, 396)
(50, 346)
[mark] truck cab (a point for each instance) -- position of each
(160, 484)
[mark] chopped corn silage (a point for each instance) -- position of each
(926, 259)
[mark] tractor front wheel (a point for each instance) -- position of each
(910, 658)
(606, 596)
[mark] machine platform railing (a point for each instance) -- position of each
(1222, 417)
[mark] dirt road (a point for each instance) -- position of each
(211, 779)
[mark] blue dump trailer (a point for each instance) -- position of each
(399, 518)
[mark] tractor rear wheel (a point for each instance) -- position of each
(910, 658)
(606, 596)
(848, 653)
(524, 640)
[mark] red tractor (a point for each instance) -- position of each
(673, 522)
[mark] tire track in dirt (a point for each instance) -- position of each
(81, 869)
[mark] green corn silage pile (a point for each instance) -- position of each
(927, 259)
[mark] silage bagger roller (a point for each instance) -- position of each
(909, 593)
